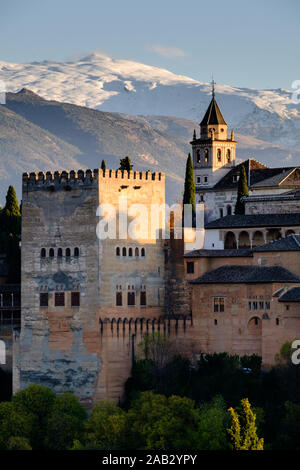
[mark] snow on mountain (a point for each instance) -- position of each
(124, 86)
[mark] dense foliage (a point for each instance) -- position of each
(10, 231)
(125, 164)
(223, 402)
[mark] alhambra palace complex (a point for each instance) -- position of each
(87, 303)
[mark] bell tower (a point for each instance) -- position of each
(213, 152)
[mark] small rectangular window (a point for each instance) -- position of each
(119, 302)
(143, 299)
(198, 179)
(249, 305)
(190, 267)
(219, 304)
(59, 299)
(261, 305)
(44, 299)
(254, 305)
(267, 305)
(131, 298)
(75, 299)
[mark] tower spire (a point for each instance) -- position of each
(212, 86)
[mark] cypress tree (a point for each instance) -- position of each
(125, 164)
(103, 166)
(11, 215)
(10, 230)
(12, 207)
(190, 189)
(242, 191)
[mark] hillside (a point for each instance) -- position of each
(92, 135)
(115, 85)
(39, 134)
(23, 145)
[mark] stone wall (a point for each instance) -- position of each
(235, 330)
(272, 206)
(63, 347)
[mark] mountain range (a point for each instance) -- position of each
(72, 114)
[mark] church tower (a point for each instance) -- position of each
(213, 151)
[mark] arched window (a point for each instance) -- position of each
(230, 241)
(229, 210)
(76, 251)
(206, 155)
(119, 299)
(68, 252)
(255, 326)
(118, 251)
(198, 156)
(59, 253)
(130, 252)
(244, 239)
(143, 298)
(131, 298)
(143, 252)
(221, 213)
(51, 253)
(258, 238)
(228, 155)
(137, 252)
(219, 155)
(124, 251)
(43, 253)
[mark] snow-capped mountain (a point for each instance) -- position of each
(114, 85)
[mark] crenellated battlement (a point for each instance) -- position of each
(88, 177)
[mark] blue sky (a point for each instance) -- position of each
(244, 43)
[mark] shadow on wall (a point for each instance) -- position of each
(5, 385)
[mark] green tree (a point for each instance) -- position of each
(10, 231)
(12, 207)
(36, 401)
(18, 443)
(212, 424)
(125, 164)
(13, 424)
(65, 423)
(243, 431)
(162, 423)
(285, 354)
(103, 165)
(290, 427)
(106, 428)
(241, 192)
(189, 188)
(156, 348)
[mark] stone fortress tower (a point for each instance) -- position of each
(87, 302)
